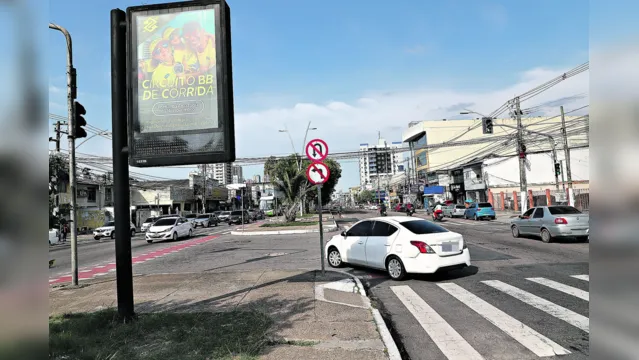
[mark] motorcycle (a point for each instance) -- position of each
(382, 212)
(438, 215)
(410, 212)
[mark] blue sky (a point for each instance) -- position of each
(298, 61)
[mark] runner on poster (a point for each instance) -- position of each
(316, 150)
(318, 173)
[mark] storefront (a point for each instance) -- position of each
(433, 195)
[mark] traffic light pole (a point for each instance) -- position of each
(71, 86)
(523, 186)
(123, 266)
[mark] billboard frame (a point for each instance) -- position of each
(224, 83)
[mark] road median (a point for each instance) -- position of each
(286, 228)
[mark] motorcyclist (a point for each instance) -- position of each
(410, 209)
(382, 209)
(437, 211)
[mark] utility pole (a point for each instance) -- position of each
(71, 93)
(563, 182)
(57, 137)
(523, 187)
(204, 197)
(554, 161)
(566, 149)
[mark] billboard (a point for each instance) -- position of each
(181, 93)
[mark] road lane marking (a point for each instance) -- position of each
(451, 344)
(532, 340)
(582, 277)
(561, 287)
(544, 305)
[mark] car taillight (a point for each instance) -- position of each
(423, 247)
(561, 221)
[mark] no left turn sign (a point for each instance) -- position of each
(316, 150)
(318, 173)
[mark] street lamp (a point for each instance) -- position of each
(466, 112)
(308, 127)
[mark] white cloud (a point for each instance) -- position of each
(54, 89)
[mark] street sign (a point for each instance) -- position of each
(180, 108)
(316, 150)
(318, 173)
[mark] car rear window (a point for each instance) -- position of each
(239, 213)
(165, 222)
(422, 227)
(484, 205)
(203, 216)
(460, 207)
(190, 216)
(563, 210)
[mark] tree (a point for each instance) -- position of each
(58, 179)
(328, 188)
(365, 196)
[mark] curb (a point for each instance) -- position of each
(387, 339)
(331, 228)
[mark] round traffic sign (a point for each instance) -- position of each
(318, 173)
(316, 150)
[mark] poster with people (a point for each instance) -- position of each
(176, 72)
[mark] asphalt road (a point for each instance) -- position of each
(505, 306)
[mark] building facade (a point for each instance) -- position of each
(236, 174)
(379, 162)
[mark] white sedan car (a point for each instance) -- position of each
(169, 228)
(400, 245)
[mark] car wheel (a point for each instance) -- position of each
(132, 232)
(334, 258)
(515, 230)
(149, 241)
(476, 218)
(113, 235)
(395, 268)
(175, 236)
(215, 224)
(583, 239)
(96, 237)
(545, 236)
(190, 233)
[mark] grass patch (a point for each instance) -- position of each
(308, 216)
(287, 224)
(294, 342)
(100, 335)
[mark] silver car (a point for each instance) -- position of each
(552, 222)
(453, 211)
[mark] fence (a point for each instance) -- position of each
(511, 201)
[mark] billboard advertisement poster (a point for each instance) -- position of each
(181, 93)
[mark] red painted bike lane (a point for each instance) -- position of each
(99, 270)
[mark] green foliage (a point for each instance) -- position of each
(58, 178)
(290, 179)
(365, 196)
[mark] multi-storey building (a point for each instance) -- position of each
(236, 174)
(221, 172)
(379, 162)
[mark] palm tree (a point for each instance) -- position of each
(288, 179)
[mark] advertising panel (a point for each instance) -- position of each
(181, 108)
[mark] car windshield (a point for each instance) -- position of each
(110, 223)
(422, 227)
(563, 210)
(149, 220)
(225, 213)
(203, 217)
(165, 222)
(217, 212)
(484, 205)
(190, 216)
(239, 213)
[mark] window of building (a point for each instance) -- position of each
(421, 174)
(420, 142)
(421, 159)
(91, 195)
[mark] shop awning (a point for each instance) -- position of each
(432, 190)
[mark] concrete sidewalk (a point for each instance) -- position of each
(326, 311)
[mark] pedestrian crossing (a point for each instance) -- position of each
(464, 320)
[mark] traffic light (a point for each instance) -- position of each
(557, 169)
(78, 120)
(487, 125)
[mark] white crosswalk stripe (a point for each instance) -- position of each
(553, 309)
(531, 339)
(445, 337)
(456, 344)
(561, 287)
(582, 277)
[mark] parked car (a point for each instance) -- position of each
(191, 217)
(224, 216)
(108, 230)
(550, 222)
(169, 228)
(482, 210)
(205, 220)
(401, 245)
(237, 216)
(453, 211)
(372, 207)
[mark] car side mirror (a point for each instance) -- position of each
(343, 233)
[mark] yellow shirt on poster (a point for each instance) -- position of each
(164, 76)
(206, 58)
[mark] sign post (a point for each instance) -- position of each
(318, 173)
